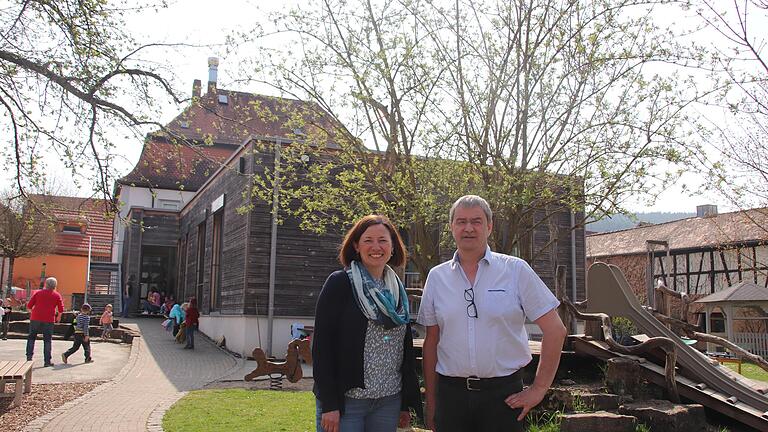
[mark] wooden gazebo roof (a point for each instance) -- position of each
(744, 291)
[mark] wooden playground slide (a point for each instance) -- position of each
(704, 380)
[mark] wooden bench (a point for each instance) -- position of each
(725, 359)
(19, 372)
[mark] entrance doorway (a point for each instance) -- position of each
(158, 270)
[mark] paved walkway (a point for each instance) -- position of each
(158, 373)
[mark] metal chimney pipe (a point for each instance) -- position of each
(213, 69)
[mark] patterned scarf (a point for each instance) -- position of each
(388, 305)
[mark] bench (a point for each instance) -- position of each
(727, 359)
(19, 372)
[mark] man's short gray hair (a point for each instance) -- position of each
(468, 201)
(51, 283)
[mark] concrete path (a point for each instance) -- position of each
(158, 373)
(109, 360)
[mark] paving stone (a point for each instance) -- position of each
(157, 374)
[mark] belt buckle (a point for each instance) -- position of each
(470, 380)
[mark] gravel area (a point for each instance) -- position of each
(43, 399)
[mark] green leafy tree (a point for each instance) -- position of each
(538, 106)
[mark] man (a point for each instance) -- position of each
(474, 308)
(46, 307)
(127, 292)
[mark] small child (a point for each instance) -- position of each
(82, 323)
(106, 322)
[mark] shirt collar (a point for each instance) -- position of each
(455, 261)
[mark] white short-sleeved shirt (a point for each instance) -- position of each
(494, 344)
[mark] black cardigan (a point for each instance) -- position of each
(338, 343)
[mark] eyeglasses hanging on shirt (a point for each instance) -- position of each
(469, 295)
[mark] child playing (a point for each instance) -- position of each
(106, 322)
(82, 323)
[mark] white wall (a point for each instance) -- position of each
(133, 196)
(244, 333)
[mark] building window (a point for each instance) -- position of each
(717, 323)
(216, 260)
(168, 204)
(72, 229)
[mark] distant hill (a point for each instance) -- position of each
(620, 222)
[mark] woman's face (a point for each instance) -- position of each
(375, 246)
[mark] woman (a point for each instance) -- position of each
(190, 323)
(362, 351)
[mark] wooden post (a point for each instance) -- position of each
(560, 293)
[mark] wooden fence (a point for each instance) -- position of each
(756, 343)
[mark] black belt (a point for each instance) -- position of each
(474, 383)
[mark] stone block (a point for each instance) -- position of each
(566, 399)
(622, 376)
(665, 416)
(600, 421)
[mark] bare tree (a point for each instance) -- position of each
(740, 169)
(25, 230)
(71, 82)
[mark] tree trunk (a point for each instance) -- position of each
(10, 271)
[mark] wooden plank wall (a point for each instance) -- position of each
(545, 262)
(231, 184)
(303, 261)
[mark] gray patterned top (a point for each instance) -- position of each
(382, 357)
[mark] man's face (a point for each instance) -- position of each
(470, 228)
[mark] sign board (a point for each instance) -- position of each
(217, 203)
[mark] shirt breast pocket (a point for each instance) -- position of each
(501, 303)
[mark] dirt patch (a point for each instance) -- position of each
(43, 399)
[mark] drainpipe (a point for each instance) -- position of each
(88, 273)
(573, 263)
(273, 247)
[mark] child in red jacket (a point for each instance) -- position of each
(191, 322)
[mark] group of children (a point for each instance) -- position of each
(183, 321)
(81, 325)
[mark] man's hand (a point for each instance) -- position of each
(86, 338)
(405, 419)
(429, 416)
(330, 421)
(526, 399)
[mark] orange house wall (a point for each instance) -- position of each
(70, 271)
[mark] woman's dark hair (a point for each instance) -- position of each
(347, 252)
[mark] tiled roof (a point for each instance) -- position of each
(744, 291)
(89, 213)
(212, 130)
(166, 165)
(724, 229)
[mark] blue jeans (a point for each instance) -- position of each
(35, 328)
(366, 415)
(126, 306)
(189, 332)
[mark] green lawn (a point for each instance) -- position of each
(242, 410)
(750, 371)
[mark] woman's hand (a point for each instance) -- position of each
(330, 421)
(405, 419)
